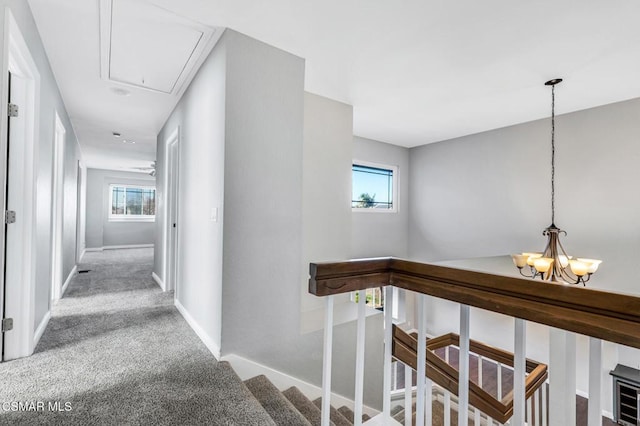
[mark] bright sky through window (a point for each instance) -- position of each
(372, 187)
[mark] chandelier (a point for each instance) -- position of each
(553, 263)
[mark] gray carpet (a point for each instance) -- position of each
(304, 405)
(279, 408)
(118, 352)
(335, 416)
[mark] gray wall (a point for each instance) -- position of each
(100, 232)
(489, 194)
(247, 130)
(50, 102)
(200, 116)
(375, 234)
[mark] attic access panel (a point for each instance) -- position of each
(146, 46)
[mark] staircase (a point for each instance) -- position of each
(270, 406)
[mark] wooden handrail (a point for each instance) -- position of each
(605, 315)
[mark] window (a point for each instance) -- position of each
(132, 202)
(375, 299)
(374, 187)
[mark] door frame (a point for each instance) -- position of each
(171, 212)
(57, 208)
(81, 212)
(20, 295)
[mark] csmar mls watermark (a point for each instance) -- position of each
(22, 406)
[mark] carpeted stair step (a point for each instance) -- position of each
(348, 413)
(279, 408)
(304, 405)
(335, 415)
(236, 404)
(395, 410)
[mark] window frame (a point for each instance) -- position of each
(394, 186)
(127, 217)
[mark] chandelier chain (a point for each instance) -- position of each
(553, 155)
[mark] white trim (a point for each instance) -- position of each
(68, 280)
(131, 246)
(84, 251)
(208, 342)
(157, 279)
(41, 328)
(57, 206)
(246, 369)
(380, 420)
(584, 394)
(20, 294)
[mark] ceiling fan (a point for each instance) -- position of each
(150, 170)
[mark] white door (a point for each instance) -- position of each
(173, 209)
(13, 240)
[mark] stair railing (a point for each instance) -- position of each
(569, 309)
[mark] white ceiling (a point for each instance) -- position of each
(416, 71)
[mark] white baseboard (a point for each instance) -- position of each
(584, 394)
(247, 369)
(206, 339)
(41, 327)
(68, 280)
(158, 281)
(84, 251)
(130, 246)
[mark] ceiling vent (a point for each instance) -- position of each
(146, 46)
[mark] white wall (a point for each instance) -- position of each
(100, 232)
(375, 233)
(488, 194)
(50, 102)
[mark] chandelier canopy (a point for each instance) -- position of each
(554, 264)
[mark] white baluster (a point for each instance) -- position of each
(595, 379)
(388, 342)
(422, 357)
(326, 360)
(463, 367)
(562, 377)
(519, 373)
(408, 395)
(447, 407)
(476, 417)
(544, 404)
(428, 407)
(480, 370)
(360, 344)
(529, 411)
(499, 373)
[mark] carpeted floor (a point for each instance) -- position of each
(116, 351)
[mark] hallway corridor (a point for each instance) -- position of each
(117, 351)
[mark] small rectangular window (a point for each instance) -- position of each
(373, 187)
(132, 202)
